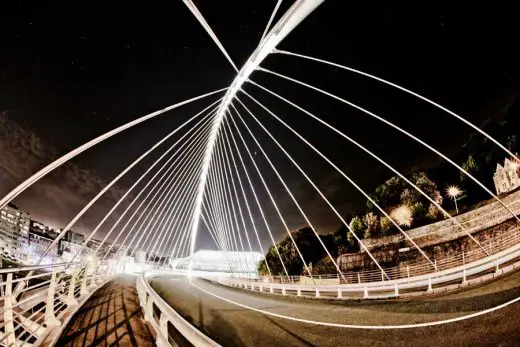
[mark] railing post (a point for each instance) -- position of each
(497, 268)
(430, 287)
(464, 276)
(83, 291)
(148, 311)
(340, 294)
(407, 271)
(271, 290)
(50, 318)
(260, 288)
(283, 291)
(71, 299)
(463, 258)
(298, 292)
(358, 278)
(396, 290)
(8, 312)
(317, 293)
(382, 276)
(163, 331)
(365, 292)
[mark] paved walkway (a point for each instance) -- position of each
(111, 317)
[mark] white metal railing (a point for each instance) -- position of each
(36, 299)
(160, 314)
(503, 248)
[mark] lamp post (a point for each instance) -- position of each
(453, 192)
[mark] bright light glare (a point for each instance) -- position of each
(402, 215)
(453, 191)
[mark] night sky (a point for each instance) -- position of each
(70, 71)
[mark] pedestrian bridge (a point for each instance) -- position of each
(220, 177)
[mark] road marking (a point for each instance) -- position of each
(368, 327)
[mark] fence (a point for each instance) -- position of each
(37, 299)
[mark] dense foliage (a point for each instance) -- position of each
(397, 203)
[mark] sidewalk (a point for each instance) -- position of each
(111, 317)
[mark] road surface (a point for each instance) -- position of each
(232, 325)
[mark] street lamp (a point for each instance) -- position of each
(453, 192)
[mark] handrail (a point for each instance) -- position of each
(41, 303)
(503, 248)
(148, 297)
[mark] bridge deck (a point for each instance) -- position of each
(111, 317)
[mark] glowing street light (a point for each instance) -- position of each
(453, 192)
(402, 215)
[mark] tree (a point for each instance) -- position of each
(471, 166)
(387, 194)
(419, 213)
(386, 225)
(357, 226)
(371, 223)
(309, 246)
(324, 266)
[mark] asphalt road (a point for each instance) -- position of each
(232, 325)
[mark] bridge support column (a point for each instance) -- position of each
(10, 338)
(340, 293)
(50, 318)
(71, 300)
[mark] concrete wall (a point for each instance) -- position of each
(473, 222)
(440, 240)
